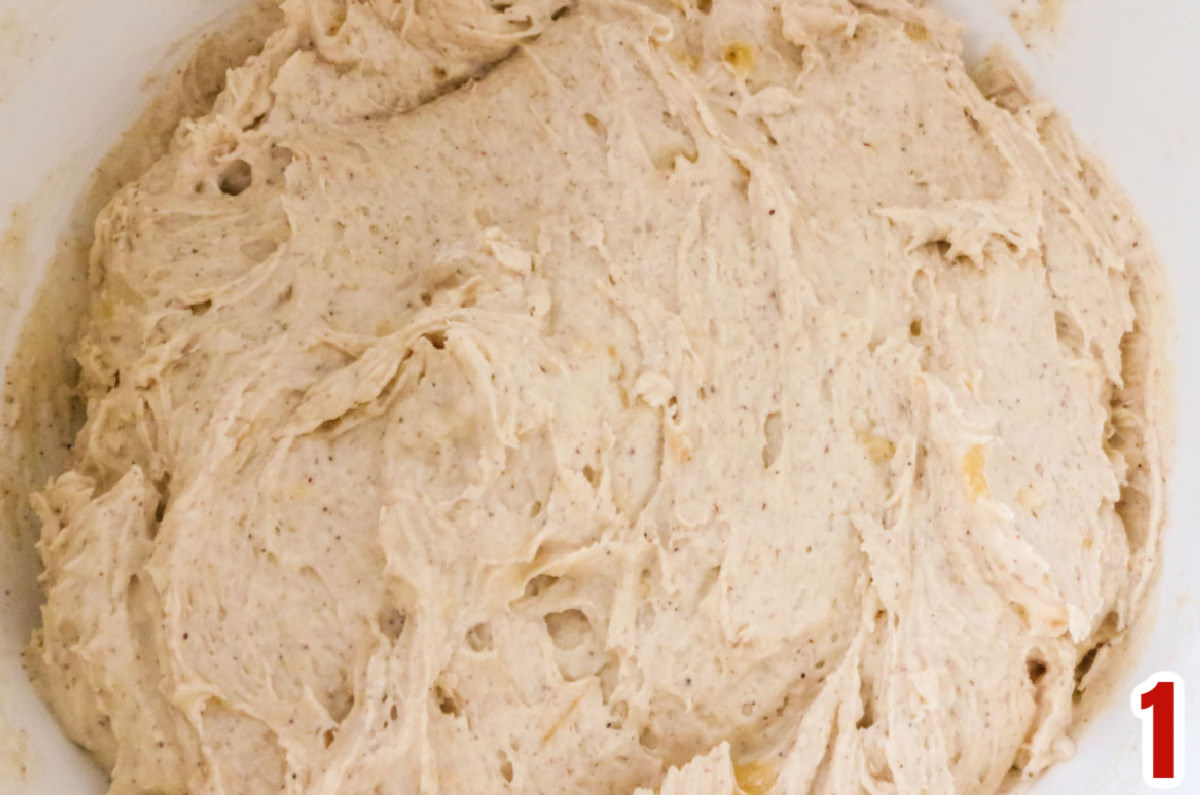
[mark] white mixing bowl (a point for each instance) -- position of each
(74, 74)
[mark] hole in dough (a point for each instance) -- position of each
(391, 622)
(567, 628)
(236, 177)
(479, 637)
(772, 439)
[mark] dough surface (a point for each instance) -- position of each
(482, 398)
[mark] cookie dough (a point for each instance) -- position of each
(540, 398)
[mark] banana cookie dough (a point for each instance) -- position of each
(613, 396)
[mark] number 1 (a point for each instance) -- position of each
(1158, 701)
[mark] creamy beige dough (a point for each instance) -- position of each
(515, 397)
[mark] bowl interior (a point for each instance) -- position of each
(75, 74)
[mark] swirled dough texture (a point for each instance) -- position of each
(516, 398)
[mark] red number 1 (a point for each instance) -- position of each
(1158, 701)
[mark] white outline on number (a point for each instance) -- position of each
(1146, 716)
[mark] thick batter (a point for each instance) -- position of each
(517, 397)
